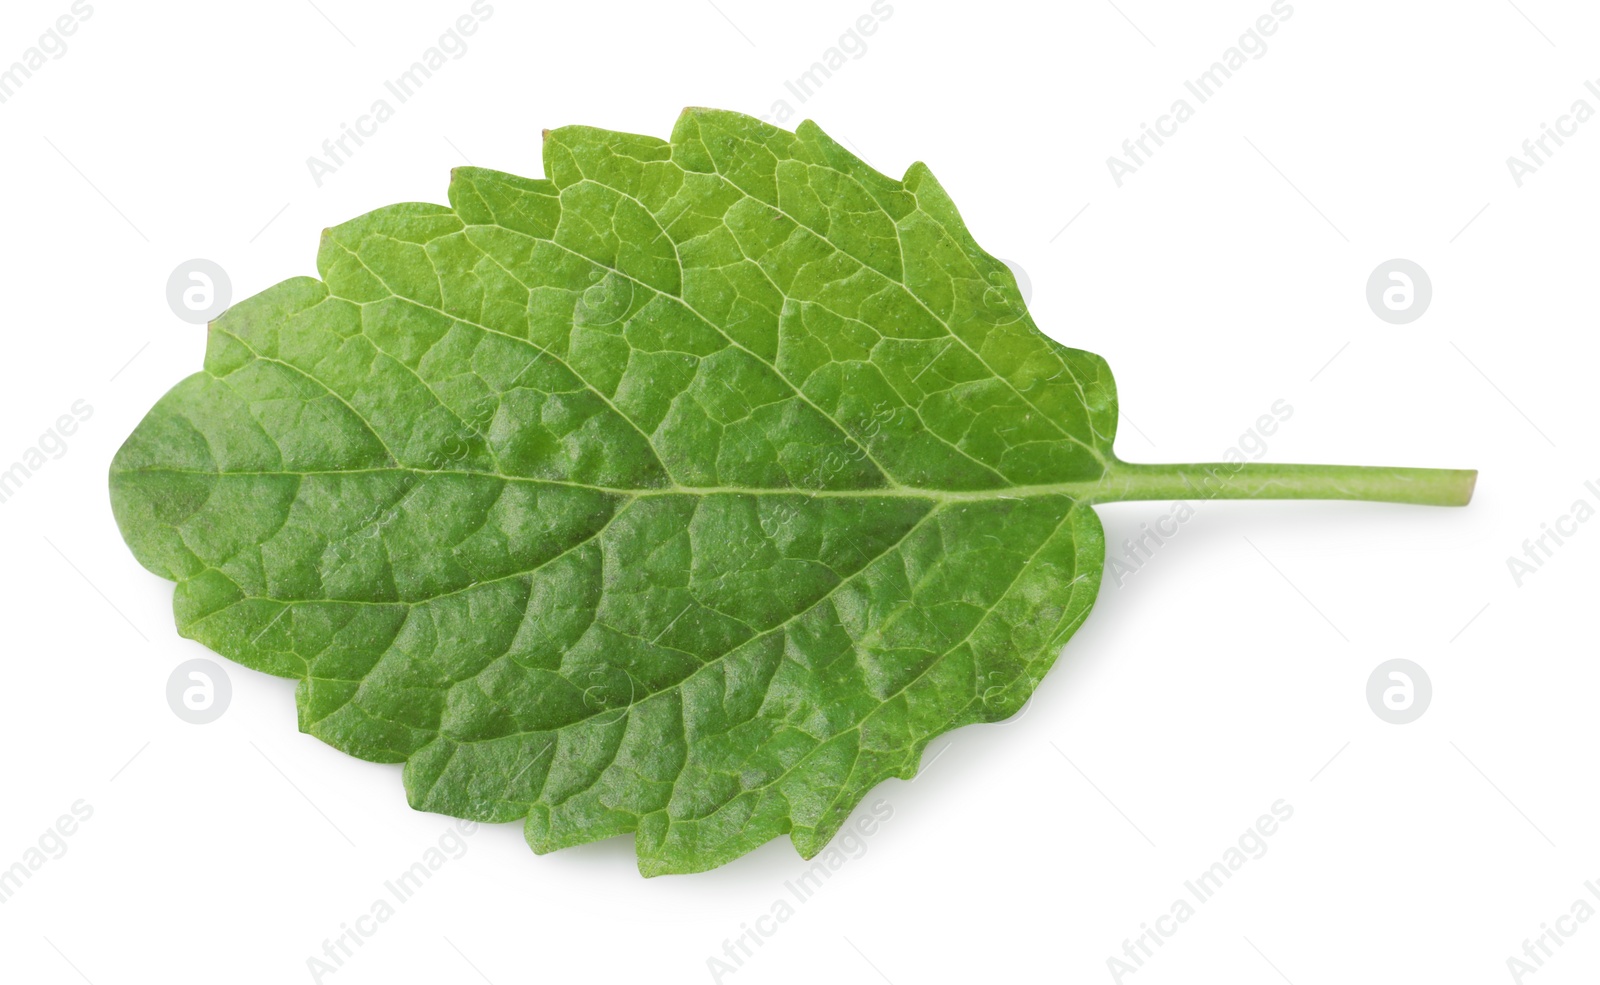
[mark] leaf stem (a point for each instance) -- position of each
(1259, 480)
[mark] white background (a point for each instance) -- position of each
(1226, 674)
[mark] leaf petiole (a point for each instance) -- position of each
(1126, 481)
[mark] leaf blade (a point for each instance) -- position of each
(688, 492)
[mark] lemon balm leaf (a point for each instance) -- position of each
(686, 492)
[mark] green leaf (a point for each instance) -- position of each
(687, 492)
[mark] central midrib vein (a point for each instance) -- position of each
(1075, 490)
(1121, 482)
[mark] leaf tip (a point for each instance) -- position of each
(915, 173)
